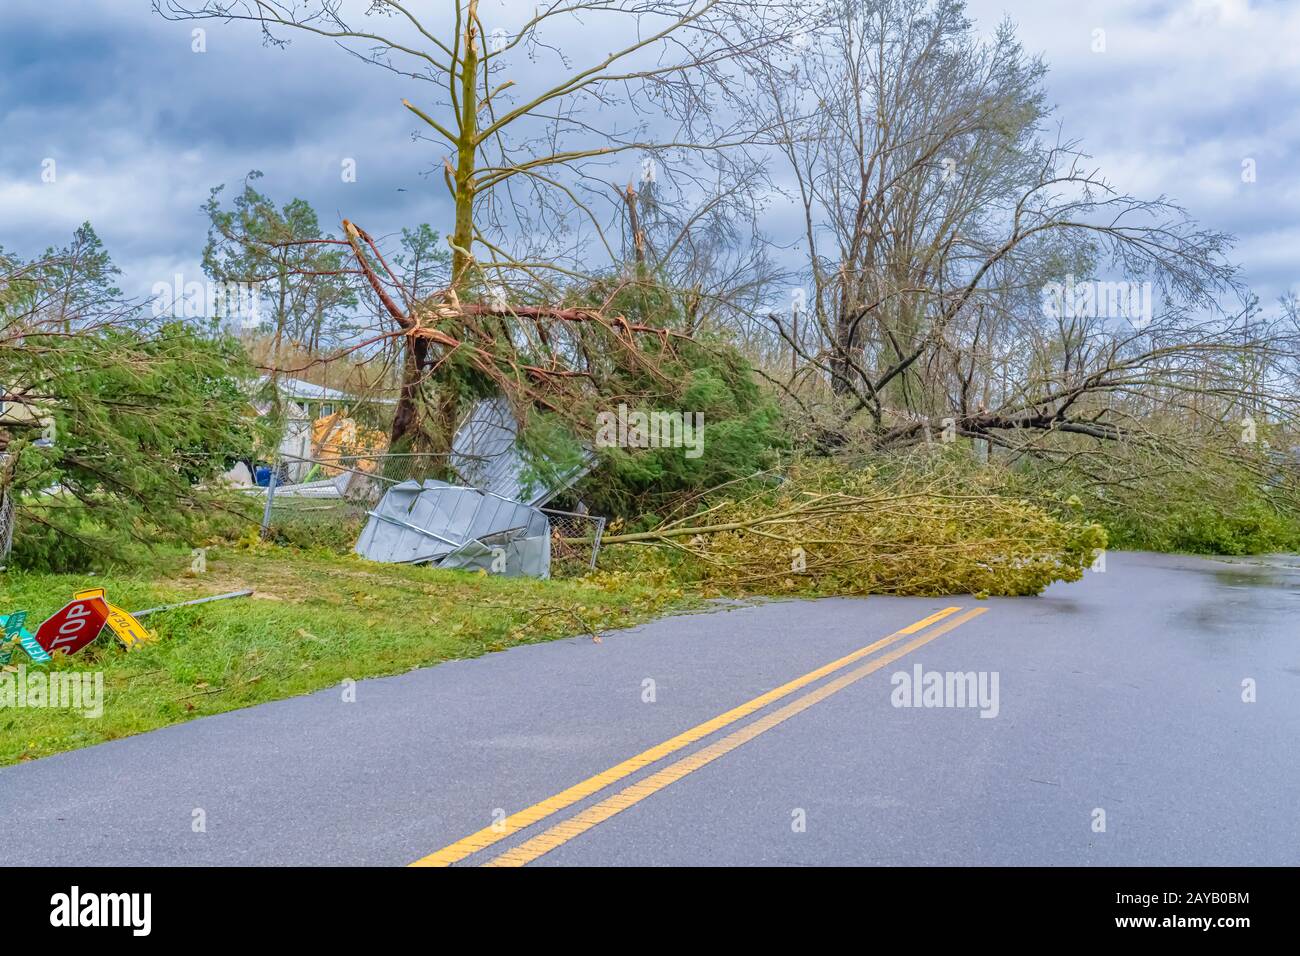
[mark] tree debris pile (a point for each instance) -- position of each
(825, 531)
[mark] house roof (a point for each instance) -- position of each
(298, 390)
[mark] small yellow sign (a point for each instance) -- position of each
(128, 630)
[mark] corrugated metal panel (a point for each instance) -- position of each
(483, 451)
(485, 455)
(431, 521)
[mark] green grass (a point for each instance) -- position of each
(316, 619)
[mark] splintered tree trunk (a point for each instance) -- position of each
(406, 415)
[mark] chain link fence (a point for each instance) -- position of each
(325, 502)
(335, 493)
(575, 539)
(7, 516)
(6, 525)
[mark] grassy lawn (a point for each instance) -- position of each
(315, 620)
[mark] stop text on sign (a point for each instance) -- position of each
(74, 627)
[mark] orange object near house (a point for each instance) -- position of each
(335, 436)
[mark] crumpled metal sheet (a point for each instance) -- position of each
(485, 454)
(455, 526)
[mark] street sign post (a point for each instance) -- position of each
(80, 622)
(74, 627)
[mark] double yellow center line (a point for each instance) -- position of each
(563, 832)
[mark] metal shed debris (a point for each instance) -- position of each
(455, 526)
(485, 454)
(490, 521)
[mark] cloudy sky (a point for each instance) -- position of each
(140, 126)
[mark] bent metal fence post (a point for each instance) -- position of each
(270, 497)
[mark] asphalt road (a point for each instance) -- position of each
(1119, 695)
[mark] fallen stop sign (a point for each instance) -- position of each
(74, 627)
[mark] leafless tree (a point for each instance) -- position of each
(944, 227)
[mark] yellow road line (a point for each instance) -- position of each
(562, 833)
(540, 811)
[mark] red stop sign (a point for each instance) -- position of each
(74, 627)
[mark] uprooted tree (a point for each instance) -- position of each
(528, 169)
